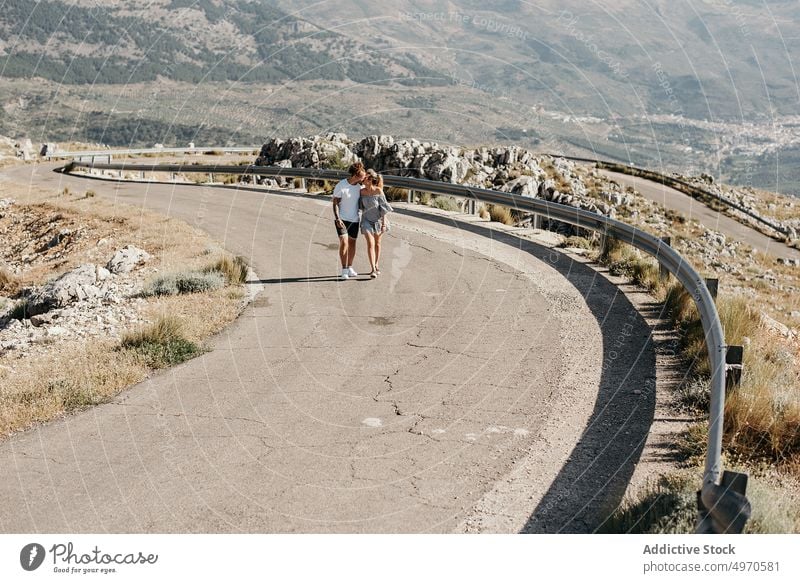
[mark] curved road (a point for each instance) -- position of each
(388, 405)
(678, 201)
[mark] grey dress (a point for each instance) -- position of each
(373, 208)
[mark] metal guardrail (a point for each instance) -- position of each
(722, 505)
(687, 188)
(196, 150)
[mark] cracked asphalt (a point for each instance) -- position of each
(390, 405)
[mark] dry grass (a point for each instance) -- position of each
(665, 506)
(483, 213)
(396, 194)
(668, 506)
(66, 377)
(762, 416)
(624, 260)
(9, 283)
(446, 203)
(74, 377)
(500, 214)
(234, 269)
(161, 344)
(575, 242)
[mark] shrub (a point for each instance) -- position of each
(576, 242)
(500, 214)
(446, 203)
(336, 161)
(668, 506)
(423, 198)
(74, 395)
(396, 194)
(89, 194)
(20, 311)
(233, 269)
(184, 283)
(162, 344)
(9, 283)
(483, 212)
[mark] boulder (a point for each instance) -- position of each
(127, 259)
(82, 283)
(523, 186)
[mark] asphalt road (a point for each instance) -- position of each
(678, 201)
(388, 405)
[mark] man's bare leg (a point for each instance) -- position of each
(351, 251)
(343, 251)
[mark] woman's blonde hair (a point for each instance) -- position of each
(375, 178)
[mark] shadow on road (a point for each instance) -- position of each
(317, 279)
(593, 481)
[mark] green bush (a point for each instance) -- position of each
(446, 203)
(184, 283)
(161, 344)
(20, 311)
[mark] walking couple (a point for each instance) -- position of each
(359, 204)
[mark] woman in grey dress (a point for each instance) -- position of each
(374, 208)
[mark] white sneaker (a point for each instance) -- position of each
(352, 272)
(345, 274)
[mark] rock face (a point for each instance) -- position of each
(127, 259)
(82, 283)
(509, 169)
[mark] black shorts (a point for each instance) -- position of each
(350, 229)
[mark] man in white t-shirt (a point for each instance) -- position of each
(346, 197)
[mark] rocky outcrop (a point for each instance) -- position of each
(127, 259)
(509, 169)
(82, 283)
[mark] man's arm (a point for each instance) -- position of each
(336, 201)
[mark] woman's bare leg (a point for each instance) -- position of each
(377, 251)
(370, 250)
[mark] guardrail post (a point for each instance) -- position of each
(409, 196)
(303, 184)
(724, 508)
(605, 244)
(471, 206)
(663, 272)
(536, 223)
(712, 283)
(734, 366)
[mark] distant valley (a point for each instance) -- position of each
(693, 87)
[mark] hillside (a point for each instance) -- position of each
(686, 87)
(79, 42)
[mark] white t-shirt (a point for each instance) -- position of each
(349, 195)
